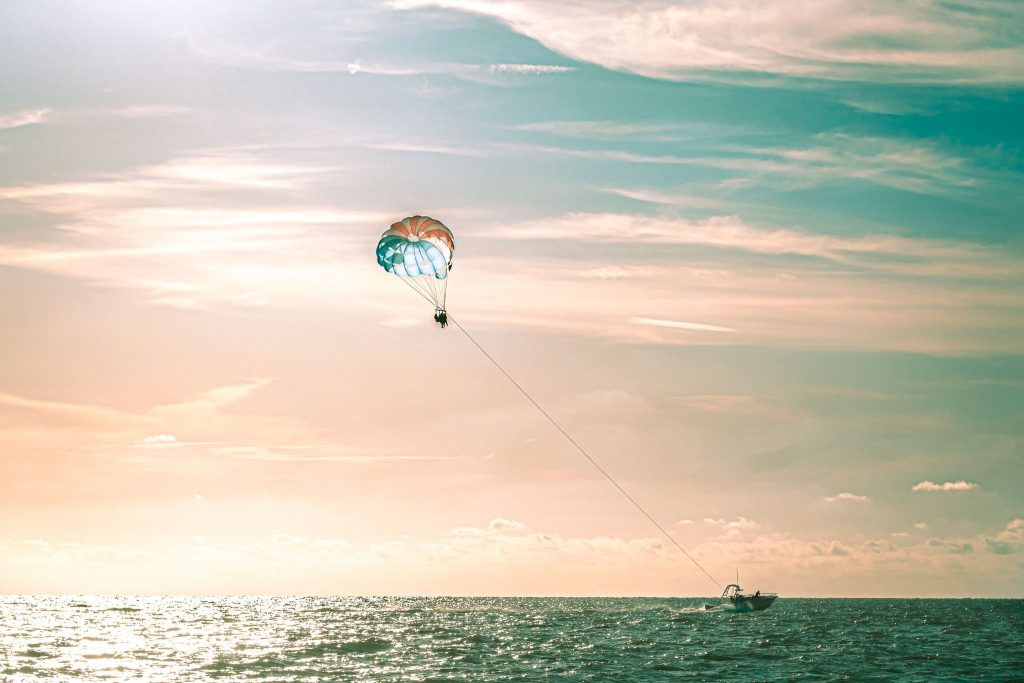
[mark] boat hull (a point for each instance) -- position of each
(752, 603)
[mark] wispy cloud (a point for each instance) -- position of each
(920, 166)
(738, 523)
(213, 424)
(731, 232)
(529, 69)
(61, 414)
(681, 200)
(614, 130)
(279, 59)
(726, 273)
(680, 325)
(928, 41)
(24, 117)
(159, 440)
(845, 496)
(912, 165)
(931, 486)
(227, 226)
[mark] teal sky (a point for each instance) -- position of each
(762, 259)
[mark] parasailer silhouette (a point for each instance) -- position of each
(419, 250)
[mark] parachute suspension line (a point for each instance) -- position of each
(426, 298)
(593, 462)
(435, 294)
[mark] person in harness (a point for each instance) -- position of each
(441, 317)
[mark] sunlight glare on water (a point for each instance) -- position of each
(89, 638)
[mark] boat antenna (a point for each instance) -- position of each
(586, 455)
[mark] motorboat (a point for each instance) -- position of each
(747, 602)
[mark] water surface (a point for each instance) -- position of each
(89, 638)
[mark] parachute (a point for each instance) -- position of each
(419, 250)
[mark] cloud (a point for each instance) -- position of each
(602, 130)
(921, 525)
(277, 60)
(680, 325)
(220, 227)
(281, 58)
(235, 228)
(607, 273)
(853, 497)
(912, 165)
(946, 486)
(502, 525)
(504, 557)
(950, 546)
(769, 285)
(735, 524)
(529, 69)
(60, 414)
(740, 405)
(217, 420)
(24, 117)
(160, 440)
(656, 197)
(1009, 541)
(732, 232)
(870, 40)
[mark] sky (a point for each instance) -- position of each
(761, 259)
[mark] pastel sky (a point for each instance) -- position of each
(761, 258)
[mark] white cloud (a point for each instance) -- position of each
(607, 273)
(219, 227)
(529, 69)
(160, 440)
(680, 325)
(738, 523)
(921, 525)
(654, 197)
(946, 486)
(24, 117)
(603, 129)
(876, 40)
(923, 256)
(912, 165)
(502, 525)
(774, 285)
(853, 497)
(284, 59)
(919, 166)
(506, 559)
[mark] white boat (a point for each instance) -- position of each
(747, 602)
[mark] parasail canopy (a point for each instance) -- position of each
(419, 250)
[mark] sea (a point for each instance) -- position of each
(93, 638)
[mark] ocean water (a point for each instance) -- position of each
(89, 638)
